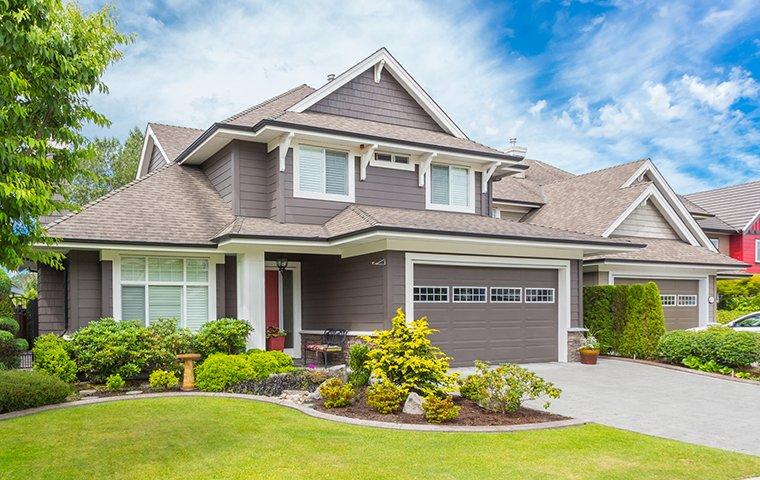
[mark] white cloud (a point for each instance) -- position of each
(722, 95)
(537, 107)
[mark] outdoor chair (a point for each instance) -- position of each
(333, 341)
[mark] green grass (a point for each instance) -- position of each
(197, 437)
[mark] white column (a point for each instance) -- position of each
(704, 306)
(250, 295)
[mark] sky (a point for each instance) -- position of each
(583, 85)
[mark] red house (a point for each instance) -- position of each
(732, 221)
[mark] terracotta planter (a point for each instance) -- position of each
(276, 343)
(588, 357)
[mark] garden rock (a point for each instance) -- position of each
(134, 392)
(313, 396)
(295, 396)
(413, 404)
(339, 371)
(88, 392)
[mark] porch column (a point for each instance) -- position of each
(250, 295)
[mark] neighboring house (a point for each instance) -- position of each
(630, 202)
(733, 221)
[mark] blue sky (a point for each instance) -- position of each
(583, 85)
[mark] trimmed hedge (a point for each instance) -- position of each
(50, 356)
(721, 345)
(20, 390)
(221, 371)
(626, 319)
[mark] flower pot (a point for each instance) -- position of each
(588, 357)
(276, 343)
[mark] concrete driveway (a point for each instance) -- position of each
(658, 401)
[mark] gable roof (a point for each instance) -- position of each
(527, 187)
(670, 252)
(737, 205)
(270, 108)
(173, 139)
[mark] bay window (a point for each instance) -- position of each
(450, 188)
(165, 287)
(322, 173)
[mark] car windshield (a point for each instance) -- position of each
(753, 321)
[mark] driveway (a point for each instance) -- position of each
(658, 401)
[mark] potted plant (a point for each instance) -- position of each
(589, 350)
(276, 339)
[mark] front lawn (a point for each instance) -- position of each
(230, 438)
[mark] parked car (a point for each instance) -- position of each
(745, 323)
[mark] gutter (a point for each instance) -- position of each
(664, 262)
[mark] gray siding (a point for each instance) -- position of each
(230, 285)
(646, 221)
(712, 289)
(576, 294)
(221, 291)
(157, 159)
(385, 102)
(253, 179)
(106, 288)
(219, 169)
(51, 296)
(390, 188)
(85, 301)
(395, 283)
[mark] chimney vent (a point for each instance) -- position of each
(330, 77)
(512, 141)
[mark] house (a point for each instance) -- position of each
(732, 221)
(331, 207)
(630, 202)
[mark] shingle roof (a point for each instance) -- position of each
(270, 108)
(527, 188)
(171, 205)
(692, 207)
(671, 251)
(715, 224)
(174, 139)
(737, 205)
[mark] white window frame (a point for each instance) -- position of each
(471, 197)
(444, 288)
(454, 289)
(210, 283)
(518, 289)
(757, 250)
(671, 296)
(689, 296)
(526, 295)
(410, 166)
(715, 242)
(332, 197)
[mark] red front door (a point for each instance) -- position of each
(272, 298)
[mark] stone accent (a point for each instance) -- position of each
(413, 404)
(575, 339)
(334, 358)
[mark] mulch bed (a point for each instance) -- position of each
(470, 414)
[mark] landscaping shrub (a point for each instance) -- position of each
(20, 390)
(674, 346)
(644, 322)
(264, 363)
(439, 409)
(599, 314)
(115, 382)
(504, 388)
(10, 346)
(740, 294)
(50, 356)
(274, 385)
(357, 362)
(405, 356)
(170, 341)
(163, 380)
(386, 397)
(725, 316)
(220, 370)
(336, 393)
(225, 335)
(317, 376)
(723, 346)
(6, 304)
(9, 324)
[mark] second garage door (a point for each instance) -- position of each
(491, 314)
(680, 300)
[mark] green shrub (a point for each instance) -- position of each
(226, 335)
(439, 409)
(317, 376)
(357, 362)
(725, 316)
(6, 304)
(10, 346)
(644, 323)
(264, 363)
(115, 382)
(504, 388)
(170, 341)
(20, 390)
(386, 397)
(741, 294)
(336, 393)
(50, 356)
(600, 303)
(9, 324)
(470, 386)
(722, 346)
(674, 346)
(405, 356)
(220, 370)
(163, 380)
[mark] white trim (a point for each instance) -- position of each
(351, 188)
(553, 295)
(471, 196)
(485, 294)
(749, 224)
(757, 250)
(443, 287)
(379, 70)
(294, 267)
(283, 143)
(490, 295)
(397, 71)
(688, 297)
(250, 296)
(670, 296)
(487, 174)
(366, 158)
(147, 152)
(409, 166)
(425, 161)
(562, 297)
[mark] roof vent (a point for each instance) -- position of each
(330, 77)
(512, 141)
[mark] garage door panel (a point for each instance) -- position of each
(676, 318)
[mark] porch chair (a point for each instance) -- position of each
(333, 341)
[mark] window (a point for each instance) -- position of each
(323, 174)
(757, 251)
(468, 294)
(715, 242)
(506, 294)
(431, 294)
(539, 295)
(165, 287)
(450, 188)
(392, 158)
(668, 300)
(687, 300)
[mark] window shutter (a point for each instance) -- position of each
(164, 302)
(311, 169)
(439, 184)
(336, 172)
(133, 302)
(197, 307)
(459, 186)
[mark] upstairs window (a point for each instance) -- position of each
(715, 242)
(757, 251)
(392, 160)
(450, 188)
(324, 174)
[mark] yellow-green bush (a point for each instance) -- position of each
(439, 409)
(336, 393)
(386, 397)
(50, 356)
(163, 380)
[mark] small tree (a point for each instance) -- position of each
(644, 322)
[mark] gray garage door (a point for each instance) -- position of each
(492, 314)
(680, 300)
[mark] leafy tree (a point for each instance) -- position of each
(124, 166)
(95, 178)
(52, 57)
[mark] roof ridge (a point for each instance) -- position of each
(726, 187)
(110, 194)
(175, 126)
(581, 175)
(364, 215)
(265, 102)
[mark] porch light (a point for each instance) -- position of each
(282, 264)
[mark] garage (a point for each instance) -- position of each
(680, 300)
(490, 313)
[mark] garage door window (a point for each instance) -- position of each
(469, 294)
(668, 300)
(687, 300)
(539, 295)
(431, 294)
(506, 294)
